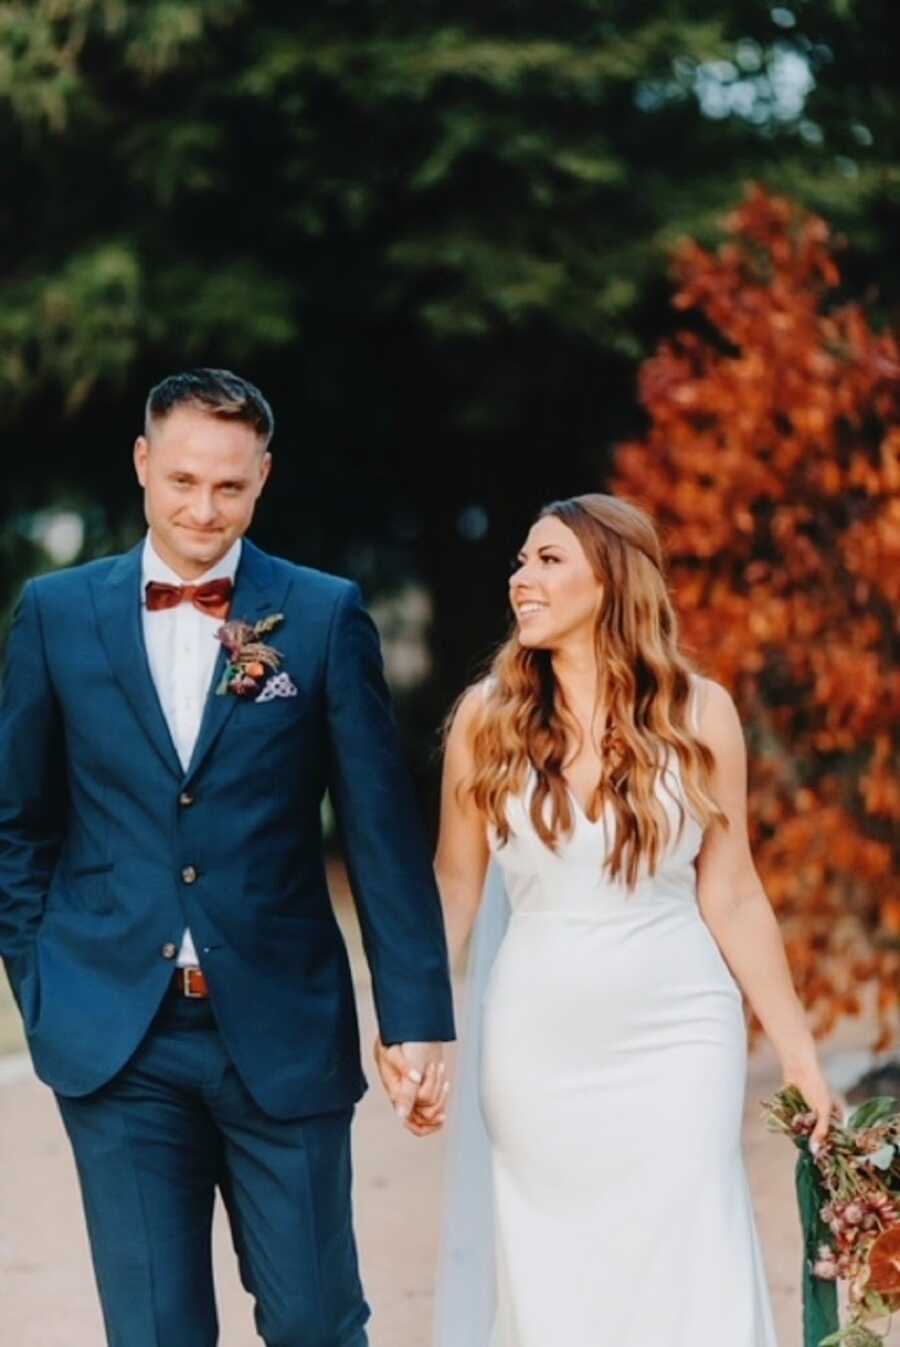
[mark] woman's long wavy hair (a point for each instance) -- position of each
(525, 725)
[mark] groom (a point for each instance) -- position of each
(164, 917)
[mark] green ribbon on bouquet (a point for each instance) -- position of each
(820, 1300)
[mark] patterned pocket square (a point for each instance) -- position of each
(279, 686)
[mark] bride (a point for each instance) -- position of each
(604, 784)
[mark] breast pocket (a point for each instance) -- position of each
(283, 712)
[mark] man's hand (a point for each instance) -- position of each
(414, 1076)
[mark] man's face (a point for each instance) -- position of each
(202, 476)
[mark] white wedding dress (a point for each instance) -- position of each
(610, 1206)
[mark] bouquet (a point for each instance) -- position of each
(849, 1195)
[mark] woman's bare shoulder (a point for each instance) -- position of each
(470, 708)
(718, 718)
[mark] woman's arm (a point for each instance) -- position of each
(737, 910)
(462, 851)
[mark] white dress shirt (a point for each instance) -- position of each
(181, 651)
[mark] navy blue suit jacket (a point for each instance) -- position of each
(101, 831)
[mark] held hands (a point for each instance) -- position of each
(414, 1076)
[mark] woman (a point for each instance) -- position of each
(608, 783)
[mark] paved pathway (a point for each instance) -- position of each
(46, 1283)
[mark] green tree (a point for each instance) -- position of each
(435, 236)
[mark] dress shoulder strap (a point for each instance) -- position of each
(695, 701)
(488, 683)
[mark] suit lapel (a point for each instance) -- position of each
(258, 592)
(117, 601)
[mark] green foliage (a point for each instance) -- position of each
(70, 328)
(433, 235)
(44, 45)
(522, 165)
(872, 1112)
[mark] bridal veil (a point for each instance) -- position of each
(464, 1293)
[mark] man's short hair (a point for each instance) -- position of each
(216, 391)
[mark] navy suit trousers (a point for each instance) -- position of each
(154, 1144)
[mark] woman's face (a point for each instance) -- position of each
(554, 593)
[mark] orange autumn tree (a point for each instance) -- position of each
(772, 464)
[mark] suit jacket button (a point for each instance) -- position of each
(189, 874)
(185, 799)
(169, 951)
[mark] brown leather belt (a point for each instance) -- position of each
(190, 982)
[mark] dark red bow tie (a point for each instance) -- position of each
(212, 598)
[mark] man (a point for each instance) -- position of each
(164, 917)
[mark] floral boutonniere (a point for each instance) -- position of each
(251, 661)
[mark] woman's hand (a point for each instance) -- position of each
(808, 1078)
(419, 1097)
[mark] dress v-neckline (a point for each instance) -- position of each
(591, 822)
(579, 807)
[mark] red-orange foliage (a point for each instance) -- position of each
(773, 466)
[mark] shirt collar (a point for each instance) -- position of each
(154, 568)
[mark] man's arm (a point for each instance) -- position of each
(390, 870)
(30, 788)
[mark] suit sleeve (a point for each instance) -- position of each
(390, 870)
(30, 785)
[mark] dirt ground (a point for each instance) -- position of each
(46, 1282)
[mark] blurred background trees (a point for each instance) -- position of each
(439, 240)
(773, 465)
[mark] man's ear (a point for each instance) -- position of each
(265, 468)
(141, 450)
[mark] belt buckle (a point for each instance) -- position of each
(188, 974)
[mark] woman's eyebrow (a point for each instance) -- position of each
(544, 547)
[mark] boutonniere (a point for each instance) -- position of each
(251, 661)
